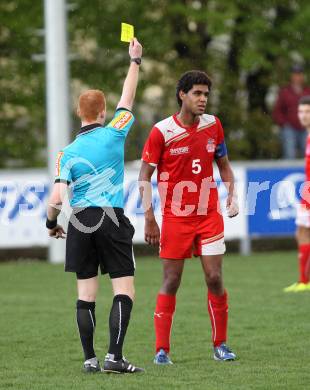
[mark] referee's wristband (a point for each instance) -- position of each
(51, 224)
(137, 60)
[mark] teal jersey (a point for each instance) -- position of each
(93, 164)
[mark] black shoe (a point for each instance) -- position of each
(92, 365)
(121, 366)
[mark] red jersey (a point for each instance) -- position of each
(306, 190)
(184, 159)
(285, 110)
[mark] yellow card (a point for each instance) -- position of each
(127, 32)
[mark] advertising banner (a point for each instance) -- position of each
(272, 196)
(24, 195)
(23, 199)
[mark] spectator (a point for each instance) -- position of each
(293, 135)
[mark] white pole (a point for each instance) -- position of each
(58, 107)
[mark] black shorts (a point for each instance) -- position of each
(100, 237)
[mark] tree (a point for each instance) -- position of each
(22, 90)
(246, 46)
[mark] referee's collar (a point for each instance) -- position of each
(88, 128)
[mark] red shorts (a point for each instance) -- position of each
(201, 235)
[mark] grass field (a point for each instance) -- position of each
(269, 330)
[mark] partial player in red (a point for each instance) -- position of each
(303, 209)
(183, 147)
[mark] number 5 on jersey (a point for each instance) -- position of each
(196, 166)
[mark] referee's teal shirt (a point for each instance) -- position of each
(93, 164)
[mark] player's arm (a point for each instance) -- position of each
(228, 179)
(151, 156)
(131, 81)
(151, 230)
(55, 201)
(53, 210)
(58, 193)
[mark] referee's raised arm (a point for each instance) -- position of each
(131, 81)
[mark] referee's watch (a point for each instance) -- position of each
(137, 60)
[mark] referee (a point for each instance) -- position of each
(99, 235)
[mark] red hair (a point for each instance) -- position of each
(91, 103)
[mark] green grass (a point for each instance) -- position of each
(268, 330)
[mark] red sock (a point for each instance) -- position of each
(218, 312)
(304, 262)
(165, 307)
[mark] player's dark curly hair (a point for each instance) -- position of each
(188, 80)
(304, 100)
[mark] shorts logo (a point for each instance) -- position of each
(210, 145)
(58, 159)
(177, 151)
(121, 120)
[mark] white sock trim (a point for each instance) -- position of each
(213, 320)
(91, 317)
(120, 322)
